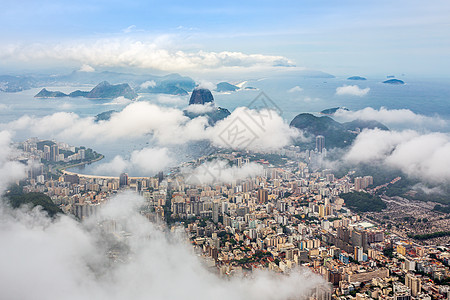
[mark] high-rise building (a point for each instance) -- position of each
(320, 143)
(363, 182)
(368, 180)
(413, 283)
(54, 152)
(358, 183)
(216, 212)
(47, 152)
(82, 153)
(263, 196)
(123, 180)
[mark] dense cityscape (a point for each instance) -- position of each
(290, 215)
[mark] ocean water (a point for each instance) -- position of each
(422, 96)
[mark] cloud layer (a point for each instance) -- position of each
(243, 129)
(10, 171)
(139, 54)
(352, 90)
(147, 161)
(72, 258)
(399, 118)
(423, 156)
(219, 171)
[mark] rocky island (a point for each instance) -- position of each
(356, 78)
(394, 81)
(103, 90)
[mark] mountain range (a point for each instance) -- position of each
(103, 90)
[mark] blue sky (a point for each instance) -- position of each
(343, 37)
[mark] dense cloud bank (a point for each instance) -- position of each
(424, 156)
(243, 129)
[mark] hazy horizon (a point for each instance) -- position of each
(349, 37)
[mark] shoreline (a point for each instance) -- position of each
(63, 169)
(65, 172)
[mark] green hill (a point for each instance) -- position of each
(363, 202)
(337, 135)
(17, 198)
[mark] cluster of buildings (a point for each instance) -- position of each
(289, 218)
(283, 219)
(50, 151)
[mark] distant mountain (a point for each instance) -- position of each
(394, 81)
(168, 89)
(104, 116)
(44, 93)
(78, 93)
(356, 78)
(105, 90)
(215, 115)
(226, 87)
(13, 84)
(358, 125)
(331, 111)
(201, 96)
(173, 84)
(337, 135)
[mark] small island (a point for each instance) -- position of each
(44, 93)
(394, 81)
(226, 87)
(356, 78)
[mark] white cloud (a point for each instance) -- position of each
(203, 84)
(112, 168)
(158, 54)
(261, 130)
(119, 101)
(147, 84)
(150, 160)
(403, 118)
(73, 256)
(147, 161)
(253, 130)
(219, 171)
(171, 100)
(10, 171)
(422, 156)
(200, 108)
(295, 89)
(86, 68)
(352, 90)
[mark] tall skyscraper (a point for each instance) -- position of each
(47, 152)
(320, 143)
(216, 212)
(54, 153)
(123, 180)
